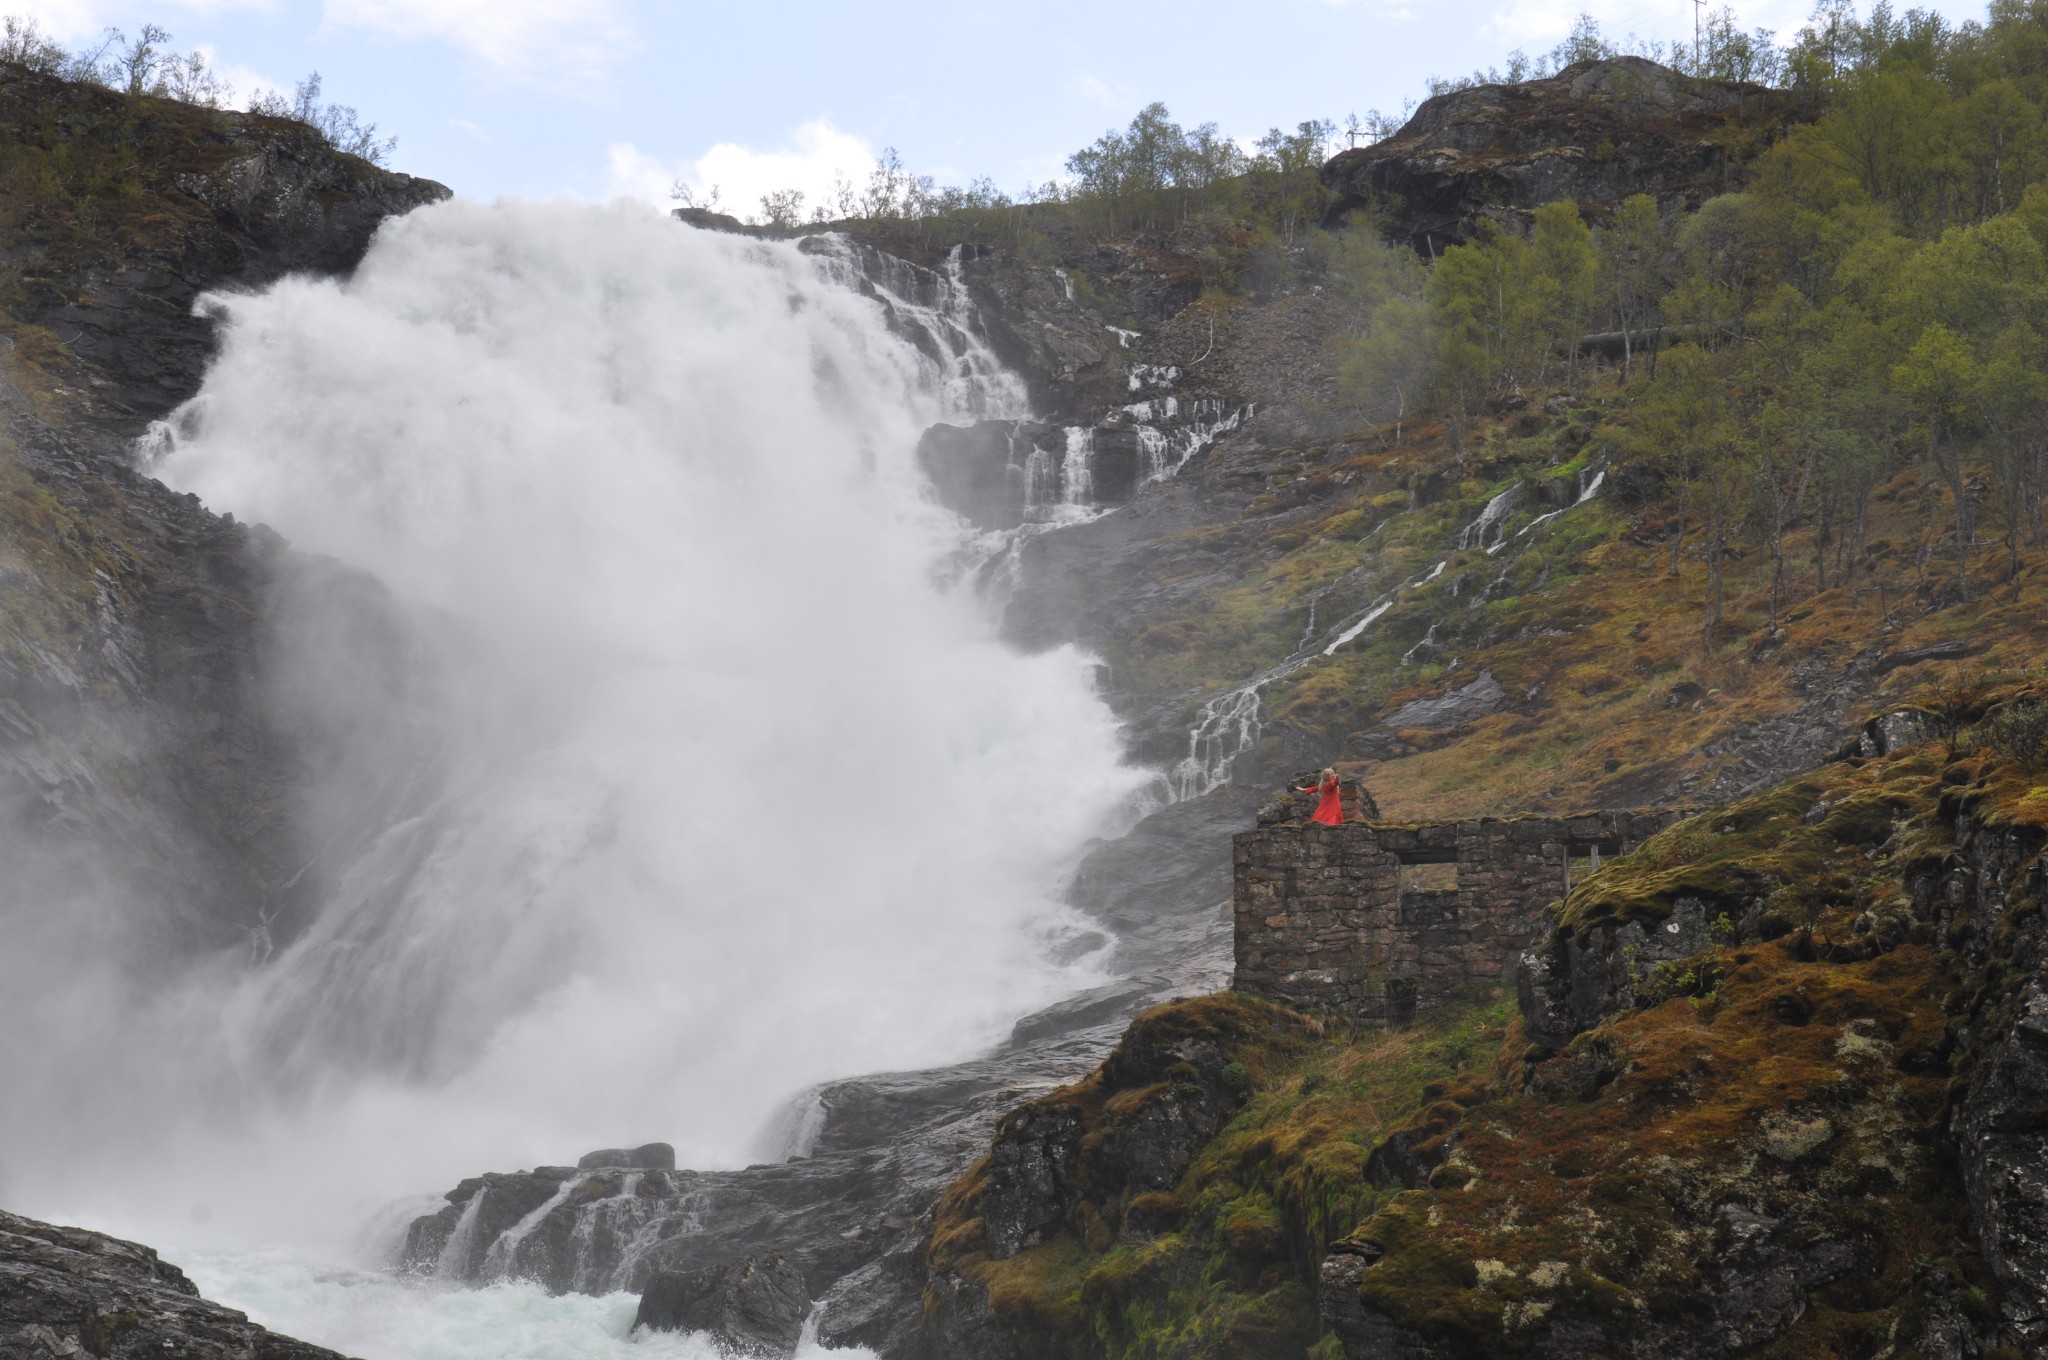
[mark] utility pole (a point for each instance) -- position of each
(1697, 7)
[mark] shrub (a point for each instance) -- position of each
(2019, 733)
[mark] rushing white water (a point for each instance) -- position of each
(382, 1317)
(688, 788)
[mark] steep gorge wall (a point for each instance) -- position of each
(145, 768)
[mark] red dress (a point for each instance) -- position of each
(1330, 812)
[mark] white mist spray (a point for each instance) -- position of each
(716, 795)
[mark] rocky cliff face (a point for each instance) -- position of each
(1596, 132)
(1783, 1080)
(146, 769)
(121, 212)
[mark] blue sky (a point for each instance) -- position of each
(594, 98)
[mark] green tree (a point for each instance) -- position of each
(1939, 377)
(1632, 264)
(1568, 276)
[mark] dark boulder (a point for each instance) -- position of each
(1597, 132)
(646, 1157)
(753, 1307)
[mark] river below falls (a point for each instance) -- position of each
(372, 1313)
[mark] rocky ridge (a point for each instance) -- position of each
(1596, 132)
(66, 1293)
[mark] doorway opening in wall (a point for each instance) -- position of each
(1400, 999)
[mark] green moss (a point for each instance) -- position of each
(1799, 848)
(1224, 1264)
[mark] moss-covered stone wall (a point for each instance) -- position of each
(1323, 922)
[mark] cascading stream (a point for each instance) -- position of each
(689, 791)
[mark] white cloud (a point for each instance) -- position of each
(1103, 93)
(74, 21)
(1532, 24)
(66, 21)
(553, 41)
(815, 155)
(242, 82)
(1384, 9)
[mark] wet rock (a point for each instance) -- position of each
(1955, 649)
(1362, 1331)
(1453, 708)
(67, 1292)
(1033, 1178)
(1407, 1156)
(646, 1157)
(753, 1307)
(984, 472)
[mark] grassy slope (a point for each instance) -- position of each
(1586, 629)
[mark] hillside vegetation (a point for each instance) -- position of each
(1816, 410)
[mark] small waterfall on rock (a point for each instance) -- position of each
(670, 786)
(1077, 468)
(1489, 530)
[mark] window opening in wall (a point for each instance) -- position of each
(1583, 861)
(1428, 878)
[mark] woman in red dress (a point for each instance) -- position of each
(1330, 811)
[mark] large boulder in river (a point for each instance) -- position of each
(1596, 132)
(646, 1157)
(753, 1307)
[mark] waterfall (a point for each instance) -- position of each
(934, 310)
(681, 788)
(1077, 472)
(1489, 530)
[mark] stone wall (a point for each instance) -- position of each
(1323, 922)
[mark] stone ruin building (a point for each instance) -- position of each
(1376, 920)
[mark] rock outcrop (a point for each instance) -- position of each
(1597, 132)
(754, 1307)
(208, 199)
(646, 1157)
(67, 1293)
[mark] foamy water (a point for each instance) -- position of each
(377, 1316)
